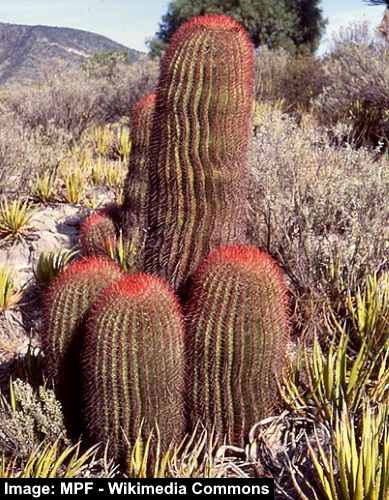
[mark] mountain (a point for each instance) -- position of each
(27, 53)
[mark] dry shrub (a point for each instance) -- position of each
(40, 124)
(357, 86)
(294, 80)
(322, 211)
(73, 101)
(26, 152)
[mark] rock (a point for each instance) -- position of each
(53, 228)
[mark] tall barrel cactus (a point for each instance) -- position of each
(238, 338)
(134, 209)
(201, 129)
(66, 303)
(133, 364)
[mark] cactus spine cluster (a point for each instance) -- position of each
(238, 339)
(201, 130)
(66, 304)
(133, 364)
(134, 209)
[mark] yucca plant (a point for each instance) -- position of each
(51, 264)
(123, 145)
(195, 456)
(334, 378)
(98, 172)
(368, 313)
(15, 217)
(9, 296)
(114, 175)
(52, 460)
(355, 465)
(103, 138)
(44, 187)
(74, 187)
(122, 253)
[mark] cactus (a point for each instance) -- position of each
(238, 334)
(98, 233)
(66, 304)
(134, 210)
(201, 129)
(133, 365)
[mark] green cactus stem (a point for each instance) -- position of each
(133, 365)
(201, 129)
(134, 210)
(98, 233)
(238, 332)
(66, 304)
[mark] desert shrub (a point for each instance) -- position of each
(73, 101)
(26, 153)
(357, 86)
(322, 211)
(294, 80)
(28, 418)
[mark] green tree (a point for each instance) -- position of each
(291, 24)
(377, 2)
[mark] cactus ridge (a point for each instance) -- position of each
(238, 330)
(133, 364)
(98, 233)
(134, 210)
(198, 176)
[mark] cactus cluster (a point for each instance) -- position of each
(141, 364)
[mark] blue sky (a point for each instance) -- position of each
(131, 22)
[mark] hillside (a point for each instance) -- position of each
(27, 53)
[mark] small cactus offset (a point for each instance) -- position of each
(134, 209)
(133, 365)
(238, 333)
(66, 303)
(98, 234)
(198, 155)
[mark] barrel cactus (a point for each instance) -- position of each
(66, 304)
(238, 331)
(201, 129)
(98, 233)
(134, 209)
(133, 365)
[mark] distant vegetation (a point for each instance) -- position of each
(294, 25)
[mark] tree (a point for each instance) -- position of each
(383, 28)
(377, 2)
(291, 24)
